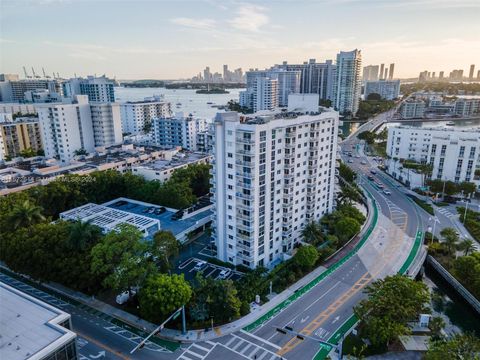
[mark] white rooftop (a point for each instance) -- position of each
(29, 327)
(108, 219)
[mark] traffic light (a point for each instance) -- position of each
(281, 331)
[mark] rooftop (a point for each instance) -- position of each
(179, 159)
(30, 327)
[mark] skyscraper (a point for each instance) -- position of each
(348, 85)
(472, 71)
(370, 73)
(441, 74)
(390, 73)
(272, 176)
(382, 66)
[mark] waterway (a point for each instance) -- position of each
(455, 311)
(182, 100)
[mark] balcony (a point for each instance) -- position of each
(245, 196)
(245, 152)
(245, 163)
(241, 226)
(242, 216)
(245, 185)
(244, 140)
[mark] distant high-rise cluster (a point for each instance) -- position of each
(227, 76)
(378, 72)
(338, 84)
(455, 75)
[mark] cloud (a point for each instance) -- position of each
(200, 24)
(250, 18)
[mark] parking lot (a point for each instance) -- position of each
(192, 266)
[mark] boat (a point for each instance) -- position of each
(179, 104)
(450, 123)
(209, 102)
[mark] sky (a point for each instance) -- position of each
(162, 39)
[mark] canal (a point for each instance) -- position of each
(456, 312)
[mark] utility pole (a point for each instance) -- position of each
(184, 321)
(466, 207)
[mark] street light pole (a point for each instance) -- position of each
(466, 207)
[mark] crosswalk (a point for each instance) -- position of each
(251, 347)
(198, 351)
(445, 212)
(134, 338)
(397, 215)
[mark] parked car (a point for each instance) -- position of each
(200, 265)
(224, 274)
(124, 297)
(370, 177)
(373, 172)
(350, 161)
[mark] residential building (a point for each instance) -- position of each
(347, 88)
(315, 78)
(264, 94)
(370, 73)
(20, 134)
(33, 329)
(387, 89)
(42, 96)
(382, 67)
(391, 70)
(107, 124)
(66, 128)
(163, 169)
(178, 130)
(453, 154)
(272, 174)
(136, 114)
(14, 90)
(414, 109)
(467, 107)
(98, 89)
(472, 72)
(17, 108)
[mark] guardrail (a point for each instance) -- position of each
(467, 295)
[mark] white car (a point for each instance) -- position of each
(224, 274)
(200, 265)
(387, 192)
(364, 162)
(124, 297)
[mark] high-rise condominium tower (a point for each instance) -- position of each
(347, 88)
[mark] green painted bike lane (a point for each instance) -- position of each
(353, 320)
(321, 277)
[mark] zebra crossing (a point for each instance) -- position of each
(246, 345)
(445, 212)
(397, 215)
(198, 351)
(134, 338)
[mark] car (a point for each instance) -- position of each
(224, 273)
(370, 177)
(364, 162)
(159, 211)
(387, 192)
(200, 265)
(379, 184)
(373, 172)
(357, 156)
(124, 297)
(350, 161)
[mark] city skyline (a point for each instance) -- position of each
(164, 41)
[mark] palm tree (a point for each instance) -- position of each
(451, 239)
(347, 195)
(83, 234)
(312, 233)
(467, 246)
(25, 214)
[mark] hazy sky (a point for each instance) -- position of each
(173, 39)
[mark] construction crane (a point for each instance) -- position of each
(44, 74)
(26, 74)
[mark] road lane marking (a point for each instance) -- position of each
(260, 339)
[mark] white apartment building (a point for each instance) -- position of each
(387, 89)
(370, 73)
(265, 94)
(348, 85)
(467, 107)
(136, 114)
(66, 128)
(271, 175)
(98, 89)
(107, 124)
(170, 132)
(412, 109)
(454, 154)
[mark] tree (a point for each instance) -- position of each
(161, 295)
(348, 195)
(467, 270)
(467, 188)
(216, 299)
(25, 214)
(164, 247)
(451, 238)
(374, 96)
(28, 153)
(83, 235)
(347, 173)
(312, 233)
(345, 228)
(467, 246)
(459, 347)
(436, 326)
(392, 302)
(121, 259)
(368, 136)
(80, 151)
(306, 256)
(251, 284)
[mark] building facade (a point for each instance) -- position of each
(271, 176)
(370, 73)
(412, 109)
(170, 132)
(387, 89)
(135, 115)
(66, 128)
(19, 135)
(107, 124)
(467, 107)
(348, 87)
(453, 154)
(98, 89)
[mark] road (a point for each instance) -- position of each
(317, 314)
